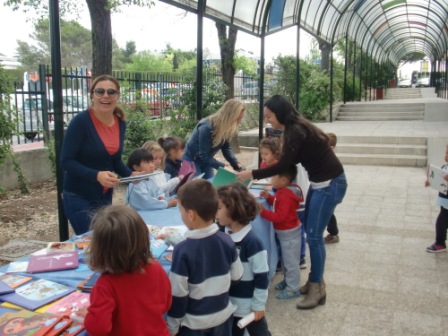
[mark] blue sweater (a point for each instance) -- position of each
(84, 155)
(204, 265)
(199, 147)
(251, 292)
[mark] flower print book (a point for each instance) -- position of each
(37, 294)
(26, 323)
(55, 261)
(73, 306)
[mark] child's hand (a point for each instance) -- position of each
(172, 202)
(427, 183)
(264, 194)
(161, 235)
(161, 198)
(258, 315)
(446, 177)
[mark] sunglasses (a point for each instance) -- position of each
(110, 92)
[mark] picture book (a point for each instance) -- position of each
(59, 327)
(74, 329)
(4, 310)
(82, 241)
(260, 184)
(5, 288)
(88, 283)
(158, 247)
(225, 177)
(37, 294)
(184, 180)
(55, 261)
(73, 306)
(60, 246)
(24, 322)
(436, 179)
(14, 280)
(169, 257)
(187, 167)
(17, 267)
(140, 177)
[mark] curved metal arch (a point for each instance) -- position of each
(403, 43)
(403, 47)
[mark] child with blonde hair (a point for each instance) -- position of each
(174, 148)
(269, 151)
(133, 292)
(236, 208)
(165, 183)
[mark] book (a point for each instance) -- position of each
(169, 257)
(158, 247)
(63, 324)
(14, 280)
(260, 184)
(37, 294)
(73, 306)
(140, 177)
(5, 288)
(82, 241)
(88, 283)
(73, 330)
(55, 261)
(225, 177)
(184, 180)
(17, 266)
(26, 322)
(60, 246)
(436, 179)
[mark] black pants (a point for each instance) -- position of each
(441, 226)
(255, 328)
(332, 227)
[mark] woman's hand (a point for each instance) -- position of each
(258, 315)
(107, 179)
(244, 175)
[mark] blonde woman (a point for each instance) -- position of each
(212, 134)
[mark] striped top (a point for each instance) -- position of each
(204, 265)
(251, 292)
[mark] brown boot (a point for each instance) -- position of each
(316, 296)
(305, 288)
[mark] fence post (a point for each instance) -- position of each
(43, 86)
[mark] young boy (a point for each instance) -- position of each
(145, 195)
(287, 228)
(442, 219)
(332, 228)
(204, 264)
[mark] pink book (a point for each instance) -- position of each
(53, 262)
(73, 306)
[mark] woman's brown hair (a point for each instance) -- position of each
(120, 241)
(118, 110)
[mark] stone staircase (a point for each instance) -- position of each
(403, 93)
(381, 111)
(382, 151)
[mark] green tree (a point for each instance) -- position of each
(76, 49)
(227, 40)
(100, 14)
(246, 64)
(145, 61)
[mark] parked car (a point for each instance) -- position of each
(30, 116)
(72, 105)
(151, 104)
(424, 81)
(403, 83)
(249, 90)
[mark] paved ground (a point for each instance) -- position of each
(380, 280)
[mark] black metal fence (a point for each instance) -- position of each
(154, 93)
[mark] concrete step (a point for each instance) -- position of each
(383, 160)
(383, 140)
(402, 96)
(388, 149)
(345, 113)
(382, 107)
(377, 118)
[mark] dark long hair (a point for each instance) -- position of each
(296, 126)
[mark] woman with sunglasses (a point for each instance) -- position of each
(91, 154)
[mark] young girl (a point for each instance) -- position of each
(133, 292)
(236, 208)
(269, 151)
(145, 195)
(174, 149)
(163, 182)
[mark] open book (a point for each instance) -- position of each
(139, 177)
(436, 179)
(225, 177)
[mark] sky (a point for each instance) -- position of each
(152, 28)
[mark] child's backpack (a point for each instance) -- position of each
(295, 188)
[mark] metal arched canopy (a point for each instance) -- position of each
(376, 26)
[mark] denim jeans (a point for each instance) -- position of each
(80, 210)
(320, 205)
(204, 168)
(224, 329)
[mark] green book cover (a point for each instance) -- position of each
(225, 177)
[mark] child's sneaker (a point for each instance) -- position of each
(281, 285)
(329, 239)
(302, 263)
(286, 295)
(434, 248)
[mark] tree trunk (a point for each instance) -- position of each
(227, 48)
(325, 49)
(101, 37)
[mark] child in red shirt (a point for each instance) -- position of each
(269, 151)
(133, 292)
(287, 227)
